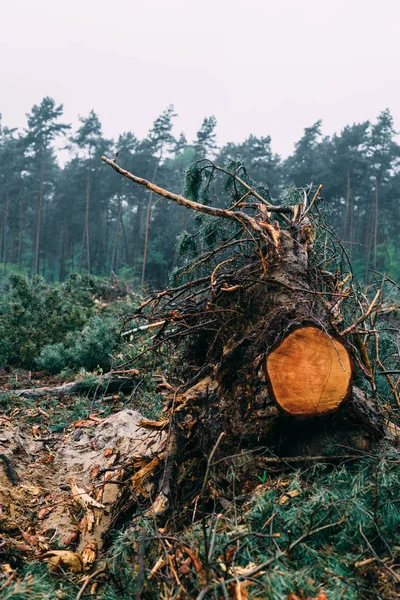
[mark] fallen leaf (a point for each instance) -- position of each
(243, 571)
(89, 554)
(196, 561)
(49, 459)
(64, 558)
(94, 472)
(107, 452)
(83, 497)
(286, 497)
(31, 489)
(70, 538)
(157, 425)
(43, 512)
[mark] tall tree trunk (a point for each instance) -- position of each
(14, 233)
(39, 218)
(126, 249)
(133, 256)
(115, 249)
(62, 258)
(369, 233)
(46, 250)
(346, 216)
(21, 231)
(5, 226)
(88, 188)
(376, 219)
(82, 249)
(146, 233)
(352, 237)
(85, 237)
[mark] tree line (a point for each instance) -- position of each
(80, 217)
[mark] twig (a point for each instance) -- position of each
(317, 193)
(87, 581)
(143, 328)
(268, 562)
(202, 498)
(363, 317)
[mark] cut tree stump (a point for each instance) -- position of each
(309, 372)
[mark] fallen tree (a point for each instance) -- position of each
(272, 333)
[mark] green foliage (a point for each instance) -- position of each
(332, 517)
(53, 327)
(90, 349)
(33, 314)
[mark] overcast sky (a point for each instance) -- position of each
(260, 66)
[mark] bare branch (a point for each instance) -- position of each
(260, 227)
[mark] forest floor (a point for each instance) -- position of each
(302, 530)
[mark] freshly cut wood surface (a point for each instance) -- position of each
(309, 372)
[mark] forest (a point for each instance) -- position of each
(75, 217)
(199, 363)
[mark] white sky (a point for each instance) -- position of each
(263, 67)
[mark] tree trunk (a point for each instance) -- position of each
(376, 219)
(146, 233)
(4, 238)
(21, 226)
(63, 247)
(86, 238)
(346, 216)
(39, 207)
(115, 249)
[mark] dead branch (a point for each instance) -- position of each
(363, 317)
(240, 216)
(112, 381)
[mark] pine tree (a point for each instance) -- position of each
(160, 140)
(43, 128)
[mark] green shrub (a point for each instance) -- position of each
(90, 349)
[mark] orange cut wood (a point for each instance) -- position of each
(309, 372)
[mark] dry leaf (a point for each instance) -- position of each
(31, 489)
(89, 520)
(89, 554)
(286, 497)
(64, 558)
(94, 472)
(83, 497)
(35, 430)
(196, 561)
(49, 459)
(245, 570)
(7, 568)
(70, 538)
(159, 505)
(35, 540)
(108, 452)
(156, 425)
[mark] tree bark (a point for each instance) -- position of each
(4, 238)
(376, 219)
(146, 232)
(116, 239)
(39, 207)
